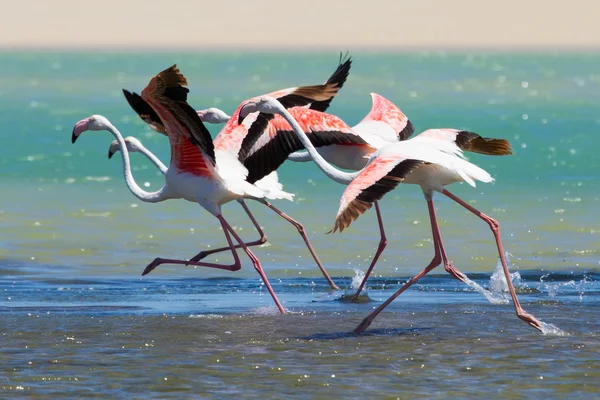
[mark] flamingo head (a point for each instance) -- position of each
(133, 146)
(263, 104)
(93, 123)
(213, 116)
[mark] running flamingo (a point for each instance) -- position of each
(267, 184)
(424, 160)
(339, 144)
(385, 124)
(236, 139)
(200, 172)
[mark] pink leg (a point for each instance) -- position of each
(302, 232)
(437, 259)
(380, 248)
(261, 240)
(236, 266)
(255, 261)
(495, 227)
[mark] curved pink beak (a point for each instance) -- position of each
(79, 128)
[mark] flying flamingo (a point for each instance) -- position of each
(235, 138)
(200, 172)
(429, 160)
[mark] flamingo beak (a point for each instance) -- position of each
(79, 128)
(246, 109)
(74, 136)
(110, 153)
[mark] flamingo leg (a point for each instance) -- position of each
(380, 248)
(302, 232)
(235, 267)
(254, 259)
(261, 240)
(495, 227)
(437, 259)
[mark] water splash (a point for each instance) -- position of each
(498, 286)
(492, 297)
(552, 330)
(348, 295)
(357, 279)
(552, 288)
(498, 282)
(268, 310)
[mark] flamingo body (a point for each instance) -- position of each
(223, 175)
(389, 166)
(410, 162)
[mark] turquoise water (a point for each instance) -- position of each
(73, 240)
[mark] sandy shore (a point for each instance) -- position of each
(280, 24)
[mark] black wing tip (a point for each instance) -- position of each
(133, 98)
(407, 131)
(473, 142)
(345, 58)
(337, 80)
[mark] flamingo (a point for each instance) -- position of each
(383, 125)
(339, 144)
(235, 138)
(267, 184)
(200, 173)
(424, 160)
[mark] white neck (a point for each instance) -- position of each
(153, 159)
(329, 170)
(148, 197)
(299, 156)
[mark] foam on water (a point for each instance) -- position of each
(267, 310)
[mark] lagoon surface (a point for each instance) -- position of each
(78, 320)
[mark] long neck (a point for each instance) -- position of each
(149, 197)
(329, 170)
(153, 159)
(299, 156)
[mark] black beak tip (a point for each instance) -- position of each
(240, 119)
(110, 154)
(73, 137)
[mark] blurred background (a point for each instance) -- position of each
(524, 71)
(310, 24)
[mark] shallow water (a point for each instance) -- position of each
(77, 320)
(163, 338)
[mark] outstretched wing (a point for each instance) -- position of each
(279, 140)
(145, 112)
(317, 97)
(167, 95)
(470, 141)
(385, 120)
(338, 78)
(382, 175)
